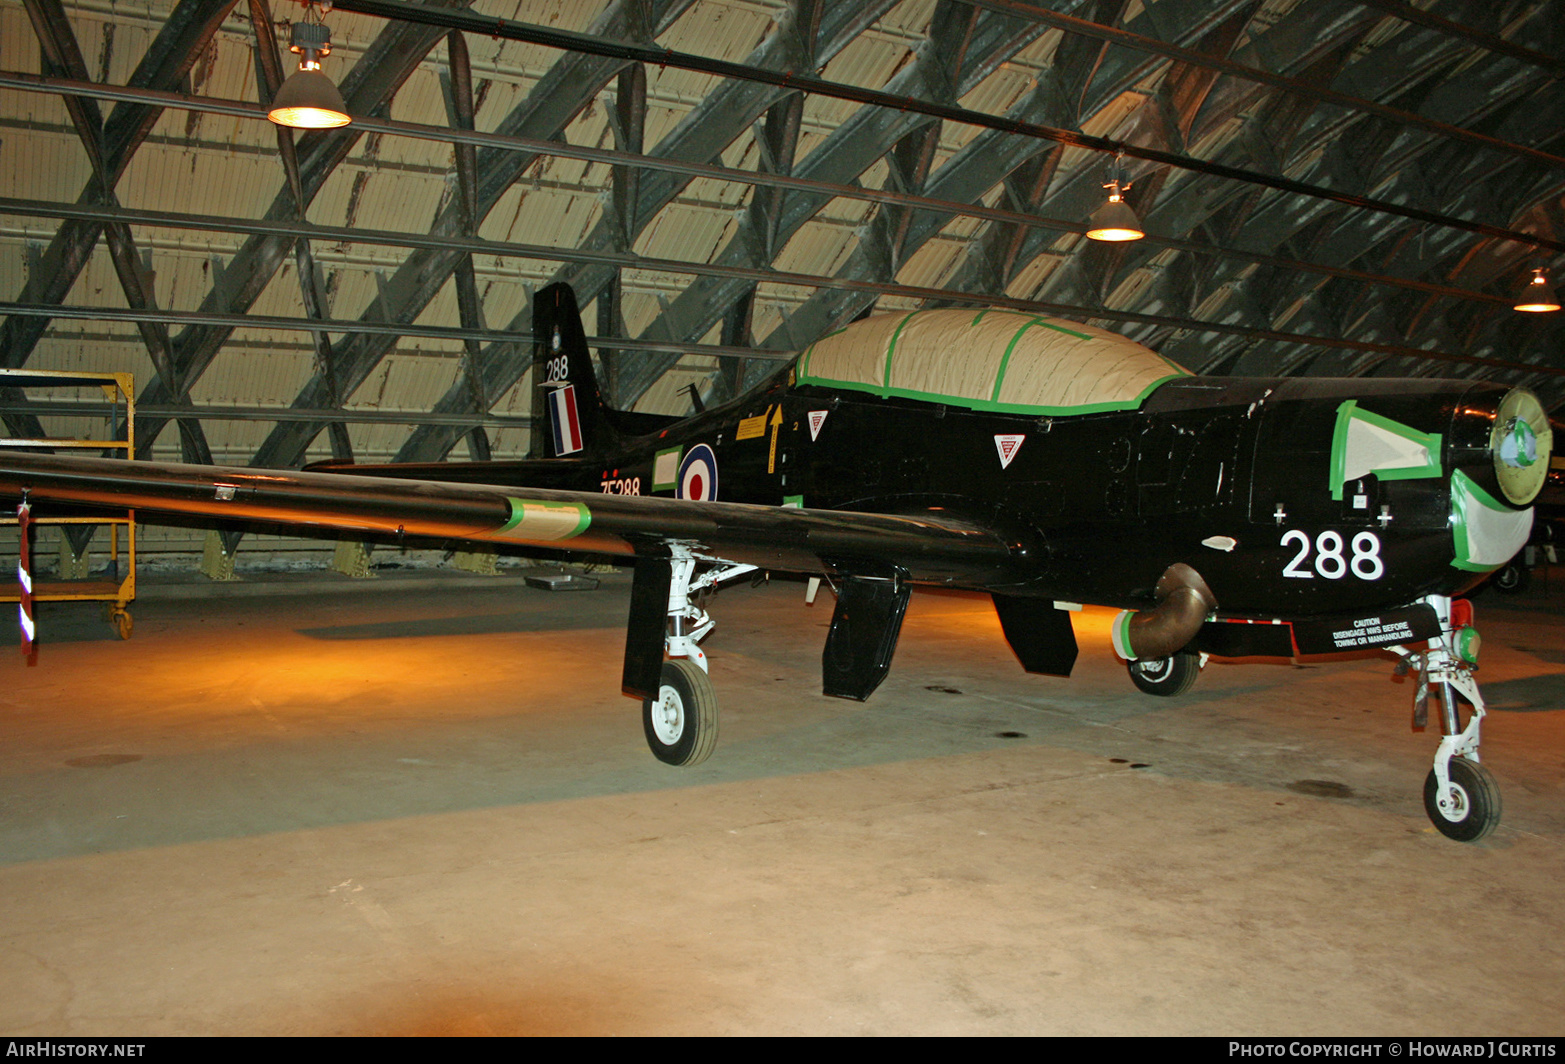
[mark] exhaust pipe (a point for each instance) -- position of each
(1183, 604)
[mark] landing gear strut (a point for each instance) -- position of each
(1460, 795)
(680, 718)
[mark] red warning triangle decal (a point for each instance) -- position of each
(817, 419)
(1008, 446)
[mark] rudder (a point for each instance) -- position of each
(567, 406)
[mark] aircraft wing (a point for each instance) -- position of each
(927, 547)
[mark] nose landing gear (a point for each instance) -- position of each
(1460, 795)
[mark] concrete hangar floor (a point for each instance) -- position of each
(419, 805)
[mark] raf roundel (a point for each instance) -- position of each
(698, 475)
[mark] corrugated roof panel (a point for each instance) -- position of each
(669, 394)
(232, 442)
(557, 217)
(661, 120)
(336, 202)
(995, 95)
(441, 310)
(97, 285)
(818, 247)
(350, 292)
(688, 234)
(504, 300)
(181, 281)
(720, 30)
(253, 376)
(413, 378)
(932, 263)
(18, 51)
(48, 166)
(1030, 279)
(89, 347)
(387, 200)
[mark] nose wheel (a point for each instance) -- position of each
(1468, 807)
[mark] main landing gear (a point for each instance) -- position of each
(1173, 675)
(680, 721)
(1460, 795)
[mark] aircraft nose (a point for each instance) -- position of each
(1521, 443)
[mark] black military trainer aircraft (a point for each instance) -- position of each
(1043, 462)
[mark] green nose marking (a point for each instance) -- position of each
(1520, 446)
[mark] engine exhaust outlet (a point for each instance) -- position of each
(1183, 604)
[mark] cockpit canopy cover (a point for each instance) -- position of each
(988, 360)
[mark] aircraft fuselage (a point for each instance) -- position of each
(1230, 475)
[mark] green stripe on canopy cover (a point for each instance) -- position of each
(996, 360)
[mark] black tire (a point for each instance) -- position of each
(1166, 677)
(1511, 578)
(681, 723)
(1476, 809)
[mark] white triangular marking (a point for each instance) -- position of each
(1007, 446)
(817, 419)
(1372, 448)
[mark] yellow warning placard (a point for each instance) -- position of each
(752, 427)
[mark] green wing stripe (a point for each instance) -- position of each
(534, 520)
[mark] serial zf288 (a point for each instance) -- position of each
(1043, 462)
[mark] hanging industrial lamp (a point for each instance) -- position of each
(308, 99)
(1537, 295)
(1115, 221)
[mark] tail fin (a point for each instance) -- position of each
(568, 409)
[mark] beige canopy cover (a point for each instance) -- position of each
(988, 360)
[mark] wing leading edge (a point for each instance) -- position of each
(925, 547)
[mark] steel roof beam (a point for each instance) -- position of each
(394, 54)
(516, 337)
(470, 310)
(613, 158)
(394, 9)
(866, 137)
(1471, 34)
(270, 78)
(1320, 94)
(558, 97)
(722, 116)
(168, 59)
(354, 415)
(63, 53)
(1060, 96)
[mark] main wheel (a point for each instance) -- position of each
(1166, 676)
(681, 723)
(1511, 578)
(1473, 808)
